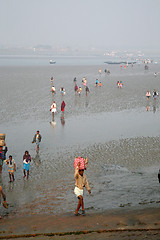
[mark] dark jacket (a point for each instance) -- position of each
(39, 138)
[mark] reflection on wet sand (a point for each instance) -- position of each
(62, 119)
(36, 159)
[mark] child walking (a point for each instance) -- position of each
(80, 182)
(11, 168)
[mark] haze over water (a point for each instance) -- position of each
(110, 126)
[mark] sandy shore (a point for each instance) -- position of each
(112, 224)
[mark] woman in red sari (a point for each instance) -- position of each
(63, 106)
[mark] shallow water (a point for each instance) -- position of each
(111, 126)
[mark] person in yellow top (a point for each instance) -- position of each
(11, 168)
(80, 183)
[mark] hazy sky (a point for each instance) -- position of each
(81, 23)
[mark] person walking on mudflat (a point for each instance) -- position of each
(2, 194)
(81, 182)
(2, 158)
(53, 109)
(37, 139)
(11, 168)
(26, 163)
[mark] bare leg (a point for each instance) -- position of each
(27, 174)
(53, 116)
(3, 195)
(13, 177)
(0, 169)
(0, 192)
(37, 150)
(80, 204)
(24, 173)
(10, 177)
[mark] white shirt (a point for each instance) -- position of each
(10, 163)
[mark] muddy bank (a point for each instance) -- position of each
(113, 223)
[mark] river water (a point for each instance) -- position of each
(110, 126)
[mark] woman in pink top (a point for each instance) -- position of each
(148, 95)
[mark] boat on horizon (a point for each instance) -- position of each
(122, 62)
(52, 61)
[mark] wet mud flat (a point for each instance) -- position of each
(110, 126)
(125, 175)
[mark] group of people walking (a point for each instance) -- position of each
(53, 107)
(80, 177)
(154, 94)
(119, 84)
(77, 89)
(11, 163)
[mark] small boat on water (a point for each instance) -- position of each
(110, 62)
(52, 62)
(126, 62)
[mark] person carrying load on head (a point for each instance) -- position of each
(80, 183)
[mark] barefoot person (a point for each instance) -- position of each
(53, 109)
(11, 168)
(37, 139)
(75, 80)
(51, 80)
(75, 88)
(2, 195)
(53, 90)
(63, 106)
(148, 95)
(79, 90)
(2, 158)
(81, 181)
(26, 164)
(155, 94)
(63, 91)
(97, 82)
(87, 90)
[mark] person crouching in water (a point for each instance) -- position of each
(81, 181)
